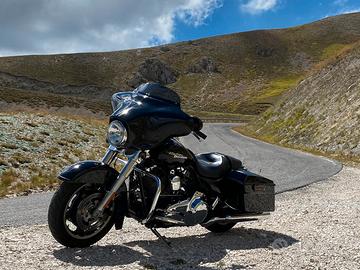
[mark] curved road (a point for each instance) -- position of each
(289, 169)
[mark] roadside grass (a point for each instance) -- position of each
(7, 179)
(10, 183)
(44, 180)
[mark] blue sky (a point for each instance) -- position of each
(233, 17)
(69, 26)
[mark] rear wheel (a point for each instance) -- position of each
(219, 227)
(70, 215)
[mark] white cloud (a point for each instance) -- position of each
(196, 11)
(343, 11)
(59, 26)
(340, 2)
(347, 11)
(258, 6)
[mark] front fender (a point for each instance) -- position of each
(89, 171)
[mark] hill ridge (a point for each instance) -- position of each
(254, 69)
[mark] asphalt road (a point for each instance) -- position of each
(289, 169)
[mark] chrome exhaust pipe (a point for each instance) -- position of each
(170, 221)
(228, 219)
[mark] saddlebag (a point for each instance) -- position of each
(249, 192)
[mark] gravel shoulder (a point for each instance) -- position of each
(316, 227)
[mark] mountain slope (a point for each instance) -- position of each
(240, 73)
(322, 113)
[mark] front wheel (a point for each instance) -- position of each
(69, 217)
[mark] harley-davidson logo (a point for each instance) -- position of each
(176, 155)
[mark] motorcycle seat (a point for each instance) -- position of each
(212, 165)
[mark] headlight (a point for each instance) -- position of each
(117, 134)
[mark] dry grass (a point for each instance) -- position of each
(7, 179)
(3, 162)
(21, 158)
(24, 138)
(67, 106)
(8, 145)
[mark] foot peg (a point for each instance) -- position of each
(163, 238)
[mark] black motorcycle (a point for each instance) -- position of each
(160, 182)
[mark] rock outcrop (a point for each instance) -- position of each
(203, 65)
(153, 70)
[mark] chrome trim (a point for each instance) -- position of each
(122, 161)
(124, 173)
(173, 207)
(110, 155)
(170, 220)
(215, 203)
(157, 194)
(245, 217)
(233, 208)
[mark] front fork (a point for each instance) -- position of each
(129, 165)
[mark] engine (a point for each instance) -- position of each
(188, 212)
(180, 201)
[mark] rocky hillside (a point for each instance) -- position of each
(322, 113)
(31, 157)
(239, 73)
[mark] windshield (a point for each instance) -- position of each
(120, 100)
(156, 90)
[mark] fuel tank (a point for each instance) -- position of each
(172, 151)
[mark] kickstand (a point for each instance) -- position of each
(167, 242)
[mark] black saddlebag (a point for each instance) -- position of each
(249, 192)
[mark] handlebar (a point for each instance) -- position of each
(197, 126)
(198, 134)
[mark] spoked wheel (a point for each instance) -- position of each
(70, 215)
(219, 227)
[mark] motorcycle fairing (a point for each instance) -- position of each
(149, 118)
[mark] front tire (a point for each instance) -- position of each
(69, 215)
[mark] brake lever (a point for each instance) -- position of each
(199, 135)
(196, 136)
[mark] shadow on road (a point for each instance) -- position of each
(186, 252)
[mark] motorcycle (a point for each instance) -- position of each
(160, 182)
